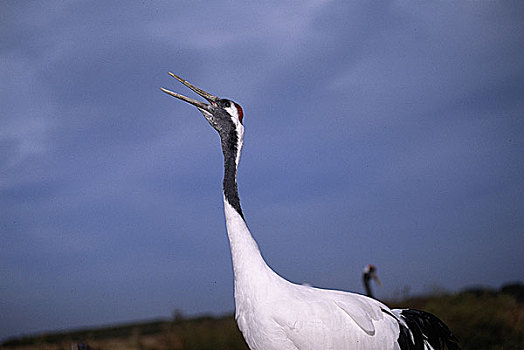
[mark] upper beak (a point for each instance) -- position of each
(200, 105)
(375, 277)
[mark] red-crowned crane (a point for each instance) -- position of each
(273, 313)
(369, 273)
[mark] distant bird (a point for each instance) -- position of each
(413, 318)
(369, 273)
(273, 313)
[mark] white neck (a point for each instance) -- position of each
(249, 267)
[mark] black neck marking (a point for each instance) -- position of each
(230, 146)
(366, 279)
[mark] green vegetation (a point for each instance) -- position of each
(481, 319)
(200, 333)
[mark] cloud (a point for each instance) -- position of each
(372, 133)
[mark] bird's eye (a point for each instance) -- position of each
(227, 104)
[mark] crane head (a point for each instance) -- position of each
(222, 114)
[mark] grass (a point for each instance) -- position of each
(482, 319)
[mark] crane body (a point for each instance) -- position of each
(273, 313)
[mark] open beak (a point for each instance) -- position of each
(375, 277)
(200, 105)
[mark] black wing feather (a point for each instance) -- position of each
(422, 326)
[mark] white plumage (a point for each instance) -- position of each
(273, 313)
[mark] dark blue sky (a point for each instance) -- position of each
(376, 132)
